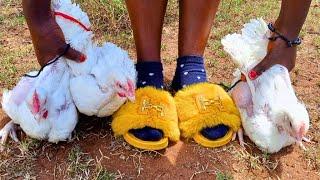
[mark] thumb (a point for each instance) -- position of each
(75, 55)
(260, 68)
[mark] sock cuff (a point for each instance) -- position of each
(189, 70)
(150, 74)
(147, 66)
(190, 59)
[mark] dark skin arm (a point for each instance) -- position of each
(47, 37)
(292, 16)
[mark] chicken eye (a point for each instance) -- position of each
(119, 85)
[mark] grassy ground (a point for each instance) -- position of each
(95, 154)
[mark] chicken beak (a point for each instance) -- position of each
(132, 98)
(300, 134)
(131, 91)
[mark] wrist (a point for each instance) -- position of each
(288, 31)
(37, 11)
(279, 35)
(43, 29)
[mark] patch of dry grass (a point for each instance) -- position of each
(223, 176)
(19, 161)
(79, 164)
(107, 15)
(257, 161)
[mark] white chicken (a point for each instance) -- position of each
(271, 114)
(42, 106)
(101, 84)
(45, 106)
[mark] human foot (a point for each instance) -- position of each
(150, 122)
(149, 74)
(191, 70)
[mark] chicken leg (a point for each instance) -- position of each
(300, 144)
(8, 130)
(240, 136)
(242, 143)
(305, 139)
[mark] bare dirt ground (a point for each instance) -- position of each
(94, 153)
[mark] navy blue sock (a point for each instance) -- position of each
(190, 70)
(150, 74)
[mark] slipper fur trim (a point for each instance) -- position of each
(154, 108)
(205, 105)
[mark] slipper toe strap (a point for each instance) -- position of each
(154, 108)
(205, 105)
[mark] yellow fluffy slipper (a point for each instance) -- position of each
(206, 105)
(154, 108)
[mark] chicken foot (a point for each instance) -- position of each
(8, 130)
(300, 144)
(305, 139)
(240, 136)
(242, 143)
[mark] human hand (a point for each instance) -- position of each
(278, 53)
(49, 42)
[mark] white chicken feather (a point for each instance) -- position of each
(101, 84)
(45, 106)
(271, 114)
(62, 113)
(34, 104)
